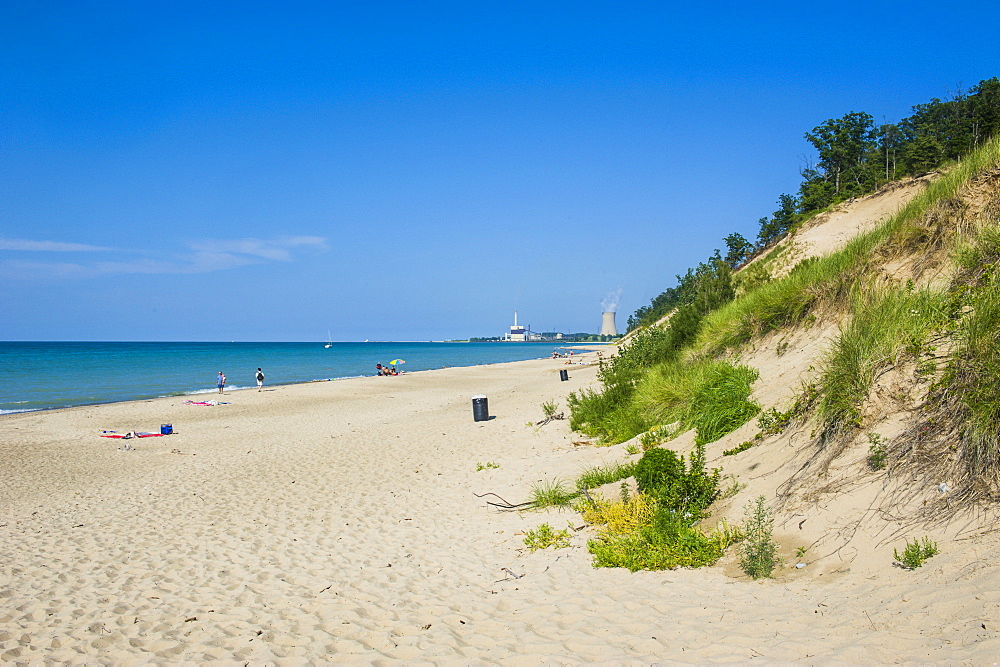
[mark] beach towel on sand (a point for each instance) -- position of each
(132, 434)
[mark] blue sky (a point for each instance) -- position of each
(417, 171)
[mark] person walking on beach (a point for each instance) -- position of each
(260, 379)
(221, 381)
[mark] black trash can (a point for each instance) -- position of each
(480, 409)
(563, 374)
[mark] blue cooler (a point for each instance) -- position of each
(166, 429)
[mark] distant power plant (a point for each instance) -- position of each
(608, 324)
(522, 332)
(609, 306)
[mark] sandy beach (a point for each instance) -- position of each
(338, 521)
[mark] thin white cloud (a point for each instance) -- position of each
(208, 256)
(278, 249)
(47, 246)
(196, 263)
(17, 269)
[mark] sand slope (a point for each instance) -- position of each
(830, 231)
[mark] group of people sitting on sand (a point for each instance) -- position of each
(385, 370)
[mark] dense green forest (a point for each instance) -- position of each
(855, 158)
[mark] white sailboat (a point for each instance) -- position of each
(329, 339)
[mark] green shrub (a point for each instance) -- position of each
(742, 447)
(759, 551)
(684, 490)
(878, 454)
(915, 554)
(661, 546)
(773, 422)
(657, 468)
(544, 536)
(661, 527)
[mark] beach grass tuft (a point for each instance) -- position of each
(551, 493)
(604, 474)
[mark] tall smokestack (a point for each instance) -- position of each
(608, 324)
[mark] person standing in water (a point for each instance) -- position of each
(221, 381)
(260, 379)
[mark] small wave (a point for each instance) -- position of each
(11, 412)
(214, 390)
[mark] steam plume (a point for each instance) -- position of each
(610, 302)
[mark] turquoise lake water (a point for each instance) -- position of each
(46, 375)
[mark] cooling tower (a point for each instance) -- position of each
(608, 325)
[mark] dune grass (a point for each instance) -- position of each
(609, 414)
(551, 493)
(970, 390)
(560, 493)
(887, 325)
(712, 397)
(604, 474)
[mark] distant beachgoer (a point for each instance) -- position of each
(260, 379)
(221, 381)
(379, 369)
